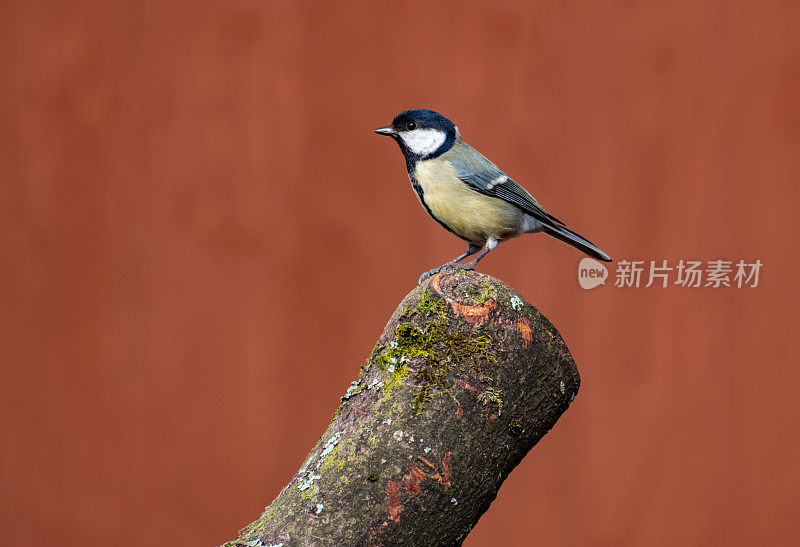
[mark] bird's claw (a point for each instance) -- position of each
(429, 273)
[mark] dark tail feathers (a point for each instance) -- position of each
(577, 241)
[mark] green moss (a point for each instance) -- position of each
(397, 378)
(434, 349)
(376, 351)
(259, 524)
(332, 461)
(515, 428)
(410, 340)
(308, 494)
(491, 395)
(429, 304)
(479, 293)
(421, 398)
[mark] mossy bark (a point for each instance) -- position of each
(464, 380)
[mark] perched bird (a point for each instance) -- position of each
(466, 193)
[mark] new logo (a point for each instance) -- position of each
(591, 273)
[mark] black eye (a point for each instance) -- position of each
(411, 126)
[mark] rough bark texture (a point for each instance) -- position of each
(464, 380)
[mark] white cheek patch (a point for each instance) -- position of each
(423, 141)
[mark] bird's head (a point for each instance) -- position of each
(421, 134)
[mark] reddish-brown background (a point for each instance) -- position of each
(202, 239)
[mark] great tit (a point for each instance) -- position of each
(466, 193)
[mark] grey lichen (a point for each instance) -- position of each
(354, 389)
(308, 482)
(329, 446)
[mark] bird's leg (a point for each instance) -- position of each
(453, 263)
(491, 244)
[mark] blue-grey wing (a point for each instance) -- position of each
(483, 176)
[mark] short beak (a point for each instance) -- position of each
(388, 131)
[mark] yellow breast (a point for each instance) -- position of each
(471, 215)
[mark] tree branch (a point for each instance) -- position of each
(463, 382)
